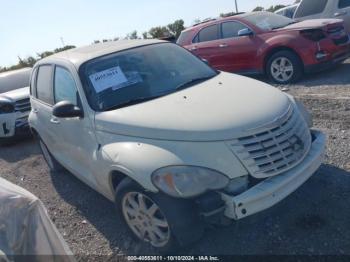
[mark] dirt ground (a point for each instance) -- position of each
(315, 220)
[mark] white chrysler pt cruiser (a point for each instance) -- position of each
(174, 143)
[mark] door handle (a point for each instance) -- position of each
(35, 111)
(223, 45)
(340, 13)
(193, 48)
(55, 121)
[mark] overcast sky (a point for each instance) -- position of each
(28, 27)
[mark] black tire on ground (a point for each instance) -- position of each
(279, 62)
(183, 221)
(52, 163)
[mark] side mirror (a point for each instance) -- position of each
(205, 61)
(66, 109)
(245, 32)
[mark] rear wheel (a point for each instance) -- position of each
(49, 158)
(284, 67)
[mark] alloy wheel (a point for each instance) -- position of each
(282, 69)
(145, 219)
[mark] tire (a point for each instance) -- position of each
(167, 223)
(52, 163)
(284, 67)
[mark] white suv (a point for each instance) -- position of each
(173, 142)
(14, 105)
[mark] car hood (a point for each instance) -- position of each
(224, 107)
(15, 95)
(312, 23)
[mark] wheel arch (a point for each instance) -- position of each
(115, 178)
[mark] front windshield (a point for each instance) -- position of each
(269, 21)
(140, 74)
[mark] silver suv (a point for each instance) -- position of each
(314, 9)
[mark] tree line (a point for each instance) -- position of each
(30, 61)
(171, 30)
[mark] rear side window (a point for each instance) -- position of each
(65, 88)
(311, 7)
(343, 4)
(44, 84)
(209, 33)
(231, 29)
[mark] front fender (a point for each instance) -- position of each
(289, 41)
(139, 158)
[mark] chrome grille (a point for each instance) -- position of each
(275, 148)
(23, 105)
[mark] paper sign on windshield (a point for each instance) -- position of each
(110, 78)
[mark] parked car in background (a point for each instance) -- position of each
(287, 11)
(311, 9)
(173, 142)
(14, 104)
(266, 43)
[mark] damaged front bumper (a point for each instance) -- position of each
(272, 190)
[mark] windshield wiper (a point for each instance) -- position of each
(192, 82)
(144, 99)
(133, 102)
(282, 26)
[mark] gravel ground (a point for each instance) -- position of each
(312, 221)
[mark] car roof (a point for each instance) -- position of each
(214, 20)
(238, 16)
(78, 56)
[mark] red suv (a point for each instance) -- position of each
(266, 43)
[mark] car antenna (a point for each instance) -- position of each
(63, 46)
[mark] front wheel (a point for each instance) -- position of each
(163, 222)
(284, 67)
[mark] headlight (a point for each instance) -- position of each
(305, 113)
(188, 181)
(6, 108)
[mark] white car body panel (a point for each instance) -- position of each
(139, 158)
(194, 115)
